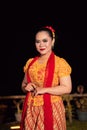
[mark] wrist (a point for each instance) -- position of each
(23, 87)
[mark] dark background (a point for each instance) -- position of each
(69, 21)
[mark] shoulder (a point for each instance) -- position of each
(63, 66)
(60, 60)
(27, 64)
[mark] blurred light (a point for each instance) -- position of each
(14, 127)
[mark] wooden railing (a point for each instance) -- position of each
(66, 98)
(69, 107)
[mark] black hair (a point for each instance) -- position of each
(51, 34)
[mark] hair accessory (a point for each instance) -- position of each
(50, 28)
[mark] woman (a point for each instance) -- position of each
(47, 78)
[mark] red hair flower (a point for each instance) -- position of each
(50, 28)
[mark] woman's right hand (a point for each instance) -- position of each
(30, 87)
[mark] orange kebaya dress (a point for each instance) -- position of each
(34, 118)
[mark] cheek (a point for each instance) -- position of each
(49, 45)
(37, 46)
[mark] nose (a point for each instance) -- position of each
(41, 44)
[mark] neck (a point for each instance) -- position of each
(45, 56)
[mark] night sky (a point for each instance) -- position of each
(70, 25)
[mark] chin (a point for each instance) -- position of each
(42, 53)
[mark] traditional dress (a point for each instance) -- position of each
(45, 112)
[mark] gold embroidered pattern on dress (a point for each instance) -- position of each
(39, 101)
(37, 72)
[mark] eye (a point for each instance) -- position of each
(37, 41)
(45, 40)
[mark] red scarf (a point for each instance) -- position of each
(49, 72)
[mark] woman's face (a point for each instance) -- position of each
(43, 42)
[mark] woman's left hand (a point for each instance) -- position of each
(40, 91)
